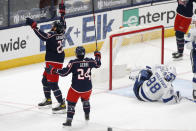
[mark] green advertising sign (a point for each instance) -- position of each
(131, 17)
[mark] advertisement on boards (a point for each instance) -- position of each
(81, 30)
(22, 41)
(163, 14)
(18, 42)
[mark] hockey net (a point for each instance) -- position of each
(127, 50)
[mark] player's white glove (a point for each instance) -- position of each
(133, 76)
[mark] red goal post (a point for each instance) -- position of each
(132, 32)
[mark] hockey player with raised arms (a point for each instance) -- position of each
(81, 86)
(54, 56)
(155, 84)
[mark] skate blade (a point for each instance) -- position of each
(67, 127)
(45, 107)
(59, 112)
(177, 59)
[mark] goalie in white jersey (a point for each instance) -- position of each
(156, 85)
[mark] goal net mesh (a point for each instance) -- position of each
(127, 50)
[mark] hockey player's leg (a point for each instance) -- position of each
(72, 98)
(61, 107)
(47, 103)
(193, 61)
(180, 46)
(86, 108)
(86, 104)
(70, 113)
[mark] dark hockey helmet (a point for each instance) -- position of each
(58, 27)
(80, 52)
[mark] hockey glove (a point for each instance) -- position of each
(97, 54)
(51, 70)
(145, 74)
(31, 22)
(62, 9)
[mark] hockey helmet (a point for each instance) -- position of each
(170, 74)
(80, 52)
(58, 27)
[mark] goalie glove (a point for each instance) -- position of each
(31, 22)
(51, 70)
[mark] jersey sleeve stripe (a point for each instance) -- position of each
(67, 72)
(40, 34)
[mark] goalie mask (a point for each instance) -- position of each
(80, 52)
(58, 27)
(170, 74)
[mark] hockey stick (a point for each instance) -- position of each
(189, 99)
(94, 23)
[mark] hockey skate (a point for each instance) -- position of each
(46, 104)
(194, 95)
(67, 123)
(86, 117)
(177, 56)
(59, 109)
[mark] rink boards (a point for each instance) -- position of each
(20, 46)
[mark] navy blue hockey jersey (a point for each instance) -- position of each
(54, 47)
(81, 73)
(185, 8)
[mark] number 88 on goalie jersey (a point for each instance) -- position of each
(155, 88)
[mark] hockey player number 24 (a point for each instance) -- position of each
(153, 85)
(82, 75)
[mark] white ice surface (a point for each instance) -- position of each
(21, 90)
